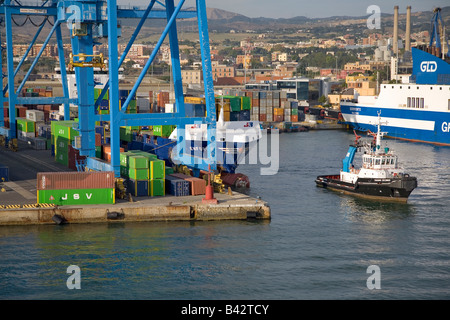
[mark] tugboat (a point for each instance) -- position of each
(380, 176)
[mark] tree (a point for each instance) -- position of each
(322, 100)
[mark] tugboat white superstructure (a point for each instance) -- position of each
(380, 175)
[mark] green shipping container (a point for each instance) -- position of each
(124, 172)
(76, 196)
(98, 151)
(138, 174)
(235, 102)
(64, 129)
(126, 134)
(294, 112)
(61, 144)
(157, 187)
(168, 170)
(124, 158)
(246, 103)
(138, 162)
(162, 130)
(25, 125)
(62, 157)
(157, 169)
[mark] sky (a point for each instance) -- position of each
(308, 8)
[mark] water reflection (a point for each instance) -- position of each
(373, 211)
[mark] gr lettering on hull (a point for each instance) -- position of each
(445, 127)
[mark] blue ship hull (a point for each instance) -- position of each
(440, 121)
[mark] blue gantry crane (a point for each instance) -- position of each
(87, 21)
(437, 24)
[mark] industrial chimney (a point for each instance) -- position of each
(408, 29)
(395, 37)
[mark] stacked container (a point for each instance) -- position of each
(63, 134)
(162, 99)
(138, 166)
(25, 128)
(76, 188)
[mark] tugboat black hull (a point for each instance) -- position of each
(393, 189)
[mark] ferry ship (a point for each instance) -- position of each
(416, 111)
(235, 140)
(380, 176)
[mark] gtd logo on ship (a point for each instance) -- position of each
(428, 66)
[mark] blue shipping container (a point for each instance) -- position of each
(137, 188)
(195, 110)
(234, 115)
(4, 173)
(244, 115)
(177, 187)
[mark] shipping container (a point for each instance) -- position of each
(4, 173)
(25, 125)
(234, 115)
(138, 174)
(197, 186)
(157, 187)
(75, 180)
(137, 162)
(162, 130)
(137, 188)
(244, 115)
(278, 118)
(168, 170)
(195, 100)
(176, 186)
(157, 169)
(63, 197)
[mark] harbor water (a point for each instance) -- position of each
(319, 244)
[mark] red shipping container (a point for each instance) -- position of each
(98, 139)
(74, 156)
(6, 120)
(21, 112)
(75, 180)
(294, 118)
(262, 117)
(279, 118)
(5, 112)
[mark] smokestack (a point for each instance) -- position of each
(395, 37)
(408, 29)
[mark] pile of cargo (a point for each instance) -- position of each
(269, 105)
(75, 188)
(63, 134)
(31, 124)
(144, 173)
(37, 92)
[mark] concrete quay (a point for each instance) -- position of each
(169, 208)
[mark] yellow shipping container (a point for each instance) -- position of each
(278, 111)
(195, 100)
